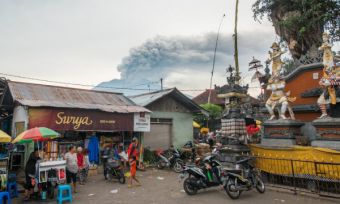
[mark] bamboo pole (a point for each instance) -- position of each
(235, 46)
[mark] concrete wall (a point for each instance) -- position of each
(182, 130)
(20, 114)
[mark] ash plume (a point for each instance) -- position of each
(160, 56)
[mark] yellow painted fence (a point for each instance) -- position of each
(299, 161)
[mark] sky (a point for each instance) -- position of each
(126, 43)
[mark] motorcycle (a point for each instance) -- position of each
(204, 176)
(114, 170)
(173, 160)
(236, 183)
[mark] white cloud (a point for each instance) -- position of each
(83, 41)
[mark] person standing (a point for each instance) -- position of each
(71, 167)
(133, 169)
(133, 149)
(81, 165)
(30, 172)
(133, 158)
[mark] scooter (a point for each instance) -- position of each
(173, 161)
(114, 169)
(203, 176)
(236, 182)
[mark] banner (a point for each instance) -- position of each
(79, 120)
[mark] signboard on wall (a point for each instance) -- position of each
(141, 122)
(79, 120)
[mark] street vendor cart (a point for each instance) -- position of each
(50, 171)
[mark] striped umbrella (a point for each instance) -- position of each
(36, 135)
(4, 137)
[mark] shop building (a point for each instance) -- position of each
(171, 117)
(77, 114)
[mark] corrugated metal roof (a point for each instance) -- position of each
(38, 95)
(148, 98)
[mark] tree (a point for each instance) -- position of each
(215, 111)
(288, 65)
(300, 23)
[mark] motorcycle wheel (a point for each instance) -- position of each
(178, 167)
(260, 185)
(188, 188)
(160, 164)
(230, 189)
(121, 179)
(108, 176)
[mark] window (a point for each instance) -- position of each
(161, 120)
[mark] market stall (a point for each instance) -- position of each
(51, 169)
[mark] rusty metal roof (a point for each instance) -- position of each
(39, 95)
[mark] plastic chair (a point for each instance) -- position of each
(3, 196)
(12, 189)
(67, 196)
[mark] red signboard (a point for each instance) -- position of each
(79, 120)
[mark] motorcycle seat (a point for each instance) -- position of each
(234, 171)
(243, 161)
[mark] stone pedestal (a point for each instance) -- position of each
(281, 132)
(231, 153)
(327, 133)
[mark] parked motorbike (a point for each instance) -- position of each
(114, 169)
(203, 176)
(236, 183)
(173, 160)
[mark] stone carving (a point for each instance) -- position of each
(276, 84)
(329, 82)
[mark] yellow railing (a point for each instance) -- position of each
(298, 161)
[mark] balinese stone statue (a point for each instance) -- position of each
(275, 58)
(276, 84)
(329, 81)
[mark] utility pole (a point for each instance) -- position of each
(235, 46)
(162, 84)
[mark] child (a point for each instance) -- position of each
(133, 169)
(86, 163)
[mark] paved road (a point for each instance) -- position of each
(163, 187)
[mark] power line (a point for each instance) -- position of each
(153, 82)
(74, 84)
(108, 87)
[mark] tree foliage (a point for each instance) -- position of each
(215, 111)
(301, 21)
(288, 65)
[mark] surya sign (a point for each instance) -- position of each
(78, 119)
